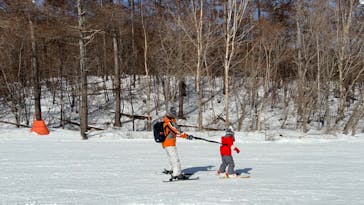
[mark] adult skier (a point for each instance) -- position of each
(169, 145)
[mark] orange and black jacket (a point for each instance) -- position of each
(171, 132)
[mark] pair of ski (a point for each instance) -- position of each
(187, 175)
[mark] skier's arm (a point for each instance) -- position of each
(175, 131)
(172, 129)
(237, 150)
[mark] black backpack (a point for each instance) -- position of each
(158, 132)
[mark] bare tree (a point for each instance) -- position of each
(83, 70)
(344, 20)
(300, 67)
(233, 17)
(149, 122)
(195, 35)
(36, 75)
(301, 60)
(117, 89)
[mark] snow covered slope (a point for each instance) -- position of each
(115, 167)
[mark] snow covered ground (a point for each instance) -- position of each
(119, 167)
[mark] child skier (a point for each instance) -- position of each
(227, 144)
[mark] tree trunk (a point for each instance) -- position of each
(61, 85)
(166, 91)
(228, 37)
(36, 75)
(300, 68)
(181, 94)
(104, 66)
(318, 79)
(83, 71)
(117, 90)
(286, 104)
(200, 47)
(131, 97)
(135, 53)
(327, 108)
(149, 122)
(344, 17)
(156, 83)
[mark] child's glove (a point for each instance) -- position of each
(236, 150)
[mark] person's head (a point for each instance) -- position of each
(229, 132)
(172, 113)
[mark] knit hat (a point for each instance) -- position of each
(229, 132)
(172, 112)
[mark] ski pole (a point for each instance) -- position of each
(199, 138)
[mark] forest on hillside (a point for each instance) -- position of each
(299, 54)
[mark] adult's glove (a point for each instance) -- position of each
(236, 150)
(183, 135)
(189, 137)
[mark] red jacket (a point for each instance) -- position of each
(227, 142)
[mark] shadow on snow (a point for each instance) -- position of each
(243, 171)
(193, 170)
